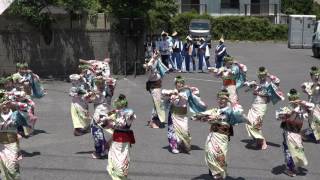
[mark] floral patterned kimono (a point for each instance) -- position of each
(119, 153)
(259, 108)
(229, 78)
(79, 107)
(178, 131)
(9, 156)
(156, 70)
(32, 84)
(292, 121)
(101, 110)
(216, 147)
(313, 92)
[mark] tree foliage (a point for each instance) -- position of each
(299, 7)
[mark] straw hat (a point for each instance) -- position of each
(164, 33)
(174, 33)
(74, 77)
(189, 38)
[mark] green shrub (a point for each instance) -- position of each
(233, 27)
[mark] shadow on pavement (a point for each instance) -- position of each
(28, 154)
(250, 144)
(280, 170)
(208, 177)
(193, 147)
(84, 152)
(39, 131)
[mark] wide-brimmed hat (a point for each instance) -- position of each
(228, 59)
(174, 33)
(164, 33)
(221, 39)
(189, 38)
(202, 39)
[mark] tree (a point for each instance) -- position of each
(296, 6)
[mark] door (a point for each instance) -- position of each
(295, 32)
(308, 28)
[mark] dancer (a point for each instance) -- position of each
(221, 120)
(292, 118)
(312, 89)
(156, 70)
(180, 99)
(123, 138)
(259, 106)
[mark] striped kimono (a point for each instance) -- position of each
(292, 141)
(216, 146)
(259, 109)
(119, 153)
(156, 70)
(178, 131)
(313, 92)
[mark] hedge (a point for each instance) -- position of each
(234, 27)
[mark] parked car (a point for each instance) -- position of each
(316, 40)
(200, 28)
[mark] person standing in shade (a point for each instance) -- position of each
(188, 52)
(220, 51)
(201, 54)
(176, 50)
(164, 49)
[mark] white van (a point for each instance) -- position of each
(316, 40)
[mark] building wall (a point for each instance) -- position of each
(86, 38)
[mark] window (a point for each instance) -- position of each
(230, 4)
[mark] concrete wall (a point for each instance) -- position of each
(83, 37)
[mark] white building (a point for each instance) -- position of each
(267, 8)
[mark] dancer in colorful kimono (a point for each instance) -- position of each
(101, 108)
(156, 71)
(221, 120)
(79, 106)
(220, 51)
(180, 99)
(259, 107)
(122, 139)
(30, 81)
(9, 121)
(292, 118)
(312, 89)
(232, 75)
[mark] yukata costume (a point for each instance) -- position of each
(229, 76)
(101, 109)
(221, 129)
(262, 97)
(31, 82)
(27, 113)
(292, 118)
(156, 71)
(79, 106)
(312, 89)
(178, 130)
(9, 156)
(122, 139)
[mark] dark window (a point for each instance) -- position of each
(230, 4)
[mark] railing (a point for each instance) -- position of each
(199, 8)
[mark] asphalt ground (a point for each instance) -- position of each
(55, 154)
